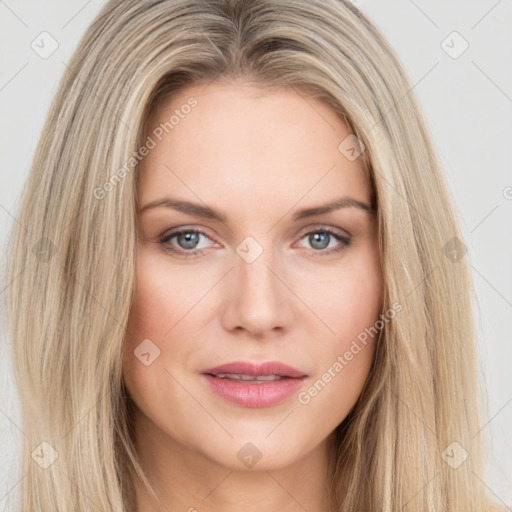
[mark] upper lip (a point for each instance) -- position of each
(255, 369)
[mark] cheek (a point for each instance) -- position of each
(358, 304)
(349, 301)
(159, 304)
(350, 305)
(166, 310)
(162, 298)
(157, 307)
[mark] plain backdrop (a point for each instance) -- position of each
(458, 55)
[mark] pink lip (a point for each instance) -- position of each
(253, 393)
(249, 368)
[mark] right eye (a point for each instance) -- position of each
(186, 243)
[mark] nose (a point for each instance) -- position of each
(260, 302)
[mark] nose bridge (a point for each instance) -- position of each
(259, 300)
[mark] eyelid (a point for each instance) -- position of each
(305, 230)
(165, 237)
(325, 227)
(341, 235)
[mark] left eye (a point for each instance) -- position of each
(320, 239)
(188, 239)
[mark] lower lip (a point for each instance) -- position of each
(252, 393)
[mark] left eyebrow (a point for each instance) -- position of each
(343, 202)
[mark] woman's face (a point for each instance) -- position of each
(254, 277)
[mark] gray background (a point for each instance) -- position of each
(467, 101)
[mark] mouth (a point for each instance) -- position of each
(254, 384)
(249, 371)
(249, 378)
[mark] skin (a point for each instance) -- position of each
(256, 155)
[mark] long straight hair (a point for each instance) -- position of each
(71, 265)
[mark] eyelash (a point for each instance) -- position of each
(345, 242)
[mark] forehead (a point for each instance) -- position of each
(240, 140)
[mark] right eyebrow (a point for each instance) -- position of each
(195, 209)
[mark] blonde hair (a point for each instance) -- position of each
(71, 267)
